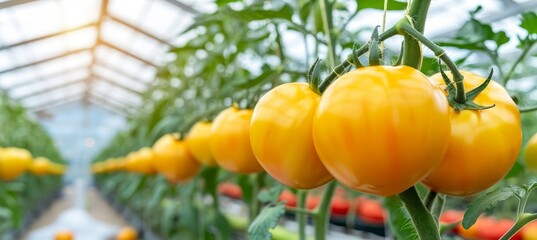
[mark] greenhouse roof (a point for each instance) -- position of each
(107, 52)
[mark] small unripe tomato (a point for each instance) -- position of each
(381, 129)
(281, 136)
(173, 160)
(484, 144)
(197, 142)
(230, 141)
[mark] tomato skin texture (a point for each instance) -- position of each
(366, 128)
(484, 144)
(173, 160)
(230, 141)
(14, 162)
(530, 153)
(197, 142)
(529, 232)
(281, 136)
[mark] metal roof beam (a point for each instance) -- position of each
(147, 62)
(121, 72)
(45, 36)
(117, 84)
(41, 78)
(107, 106)
(44, 60)
(112, 97)
(55, 103)
(56, 87)
(183, 6)
(111, 101)
(13, 3)
(137, 29)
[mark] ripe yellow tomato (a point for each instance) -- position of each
(173, 160)
(484, 144)
(57, 169)
(141, 161)
(281, 136)
(63, 235)
(530, 153)
(127, 233)
(230, 141)
(40, 166)
(14, 162)
(381, 129)
(197, 142)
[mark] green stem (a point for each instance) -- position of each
(299, 210)
(302, 218)
(527, 109)
(520, 222)
(342, 66)
(430, 199)
(322, 213)
(517, 61)
(423, 220)
(326, 15)
(417, 13)
(403, 27)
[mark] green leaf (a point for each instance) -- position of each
(529, 22)
(489, 201)
(266, 220)
(271, 195)
(399, 221)
(516, 170)
(257, 12)
(247, 187)
(375, 4)
(221, 3)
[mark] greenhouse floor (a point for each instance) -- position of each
(97, 207)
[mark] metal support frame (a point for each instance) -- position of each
(13, 3)
(44, 60)
(120, 72)
(112, 101)
(64, 100)
(125, 52)
(115, 83)
(50, 89)
(49, 76)
(47, 36)
(139, 30)
(183, 6)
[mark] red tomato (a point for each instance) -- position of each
(288, 197)
(529, 232)
(312, 202)
(230, 190)
(370, 211)
(451, 216)
(493, 229)
(340, 205)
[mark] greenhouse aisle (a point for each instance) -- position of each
(95, 205)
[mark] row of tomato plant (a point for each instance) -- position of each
(373, 121)
(27, 176)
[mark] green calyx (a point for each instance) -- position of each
(468, 103)
(313, 77)
(375, 56)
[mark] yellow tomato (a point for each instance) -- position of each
(230, 141)
(484, 144)
(14, 162)
(63, 235)
(127, 233)
(197, 142)
(58, 169)
(381, 129)
(173, 160)
(146, 161)
(530, 153)
(281, 136)
(40, 166)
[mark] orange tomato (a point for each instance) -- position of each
(197, 142)
(173, 160)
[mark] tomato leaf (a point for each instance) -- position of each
(266, 220)
(221, 3)
(392, 5)
(399, 220)
(529, 22)
(489, 201)
(271, 195)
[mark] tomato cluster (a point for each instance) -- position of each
(382, 129)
